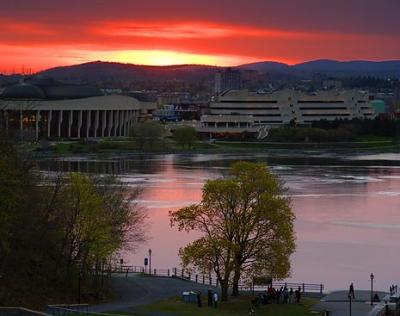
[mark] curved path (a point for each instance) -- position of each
(138, 290)
(338, 303)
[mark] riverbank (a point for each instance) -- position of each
(204, 147)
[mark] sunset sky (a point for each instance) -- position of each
(39, 34)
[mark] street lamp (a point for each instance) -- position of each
(350, 303)
(372, 288)
(150, 251)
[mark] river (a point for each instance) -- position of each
(347, 207)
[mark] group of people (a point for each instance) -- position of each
(393, 289)
(279, 296)
(212, 299)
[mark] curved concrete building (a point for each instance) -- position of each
(56, 111)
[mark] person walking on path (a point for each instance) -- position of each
(215, 299)
(351, 291)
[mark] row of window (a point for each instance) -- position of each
(324, 108)
(276, 108)
(320, 101)
(245, 108)
(325, 114)
(248, 101)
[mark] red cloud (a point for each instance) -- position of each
(52, 44)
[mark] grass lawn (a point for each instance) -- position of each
(379, 144)
(235, 307)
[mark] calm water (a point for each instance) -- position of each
(347, 209)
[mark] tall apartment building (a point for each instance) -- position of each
(227, 79)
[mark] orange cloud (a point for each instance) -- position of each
(179, 30)
(24, 28)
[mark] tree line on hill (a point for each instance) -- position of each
(57, 234)
(150, 133)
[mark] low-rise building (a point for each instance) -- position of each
(238, 111)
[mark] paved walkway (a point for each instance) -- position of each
(139, 290)
(337, 303)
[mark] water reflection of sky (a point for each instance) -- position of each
(347, 215)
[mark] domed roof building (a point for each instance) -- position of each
(39, 88)
(58, 92)
(23, 91)
(41, 107)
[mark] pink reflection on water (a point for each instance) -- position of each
(345, 229)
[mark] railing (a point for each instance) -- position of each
(197, 278)
(74, 309)
(379, 310)
(19, 311)
(65, 309)
(124, 269)
(211, 280)
(304, 287)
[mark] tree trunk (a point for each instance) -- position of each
(235, 283)
(224, 290)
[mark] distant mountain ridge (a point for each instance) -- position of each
(390, 68)
(98, 70)
(107, 70)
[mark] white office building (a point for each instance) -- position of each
(238, 111)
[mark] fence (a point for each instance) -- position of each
(197, 278)
(74, 309)
(124, 269)
(19, 311)
(209, 279)
(61, 310)
(304, 287)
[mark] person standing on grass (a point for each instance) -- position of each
(351, 291)
(199, 299)
(215, 299)
(285, 295)
(209, 298)
(291, 294)
(298, 295)
(278, 295)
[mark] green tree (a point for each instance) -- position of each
(96, 219)
(54, 230)
(147, 133)
(247, 227)
(185, 136)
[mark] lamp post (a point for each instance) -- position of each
(350, 303)
(372, 288)
(150, 251)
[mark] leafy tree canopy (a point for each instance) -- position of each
(247, 227)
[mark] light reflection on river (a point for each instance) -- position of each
(347, 210)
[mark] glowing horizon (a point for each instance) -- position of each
(43, 34)
(135, 57)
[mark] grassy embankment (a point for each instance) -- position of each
(234, 307)
(110, 145)
(381, 144)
